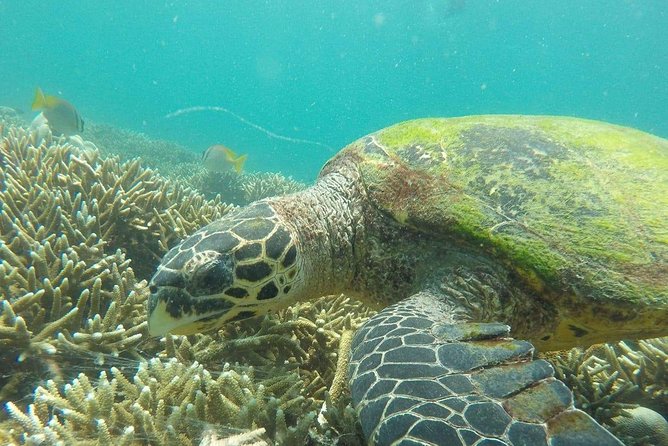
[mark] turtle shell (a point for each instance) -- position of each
(574, 206)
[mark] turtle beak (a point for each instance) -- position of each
(160, 322)
(173, 310)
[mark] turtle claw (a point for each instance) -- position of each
(415, 382)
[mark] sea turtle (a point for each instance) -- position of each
(461, 229)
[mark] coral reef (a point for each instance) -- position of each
(57, 186)
(169, 158)
(251, 438)
(304, 339)
(611, 381)
(70, 221)
(10, 117)
(641, 426)
(244, 188)
(174, 399)
(644, 364)
(79, 234)
(305, 336)
(165, 403)
(268, 184)
(81, 231)
(595, 392)
(180, 163)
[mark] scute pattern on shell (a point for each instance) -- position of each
(577, 208)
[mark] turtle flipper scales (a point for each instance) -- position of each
(417, 380)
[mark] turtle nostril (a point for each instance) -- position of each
(153, 289)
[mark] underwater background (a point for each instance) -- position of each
(85, 219)
(331, 71)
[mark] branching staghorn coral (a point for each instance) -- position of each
(610, 381)
(338, 424)
(65, 215)
(304, 339)
(268, 184)
(165, 403)
(54, 318)
(236, 399)
(593, 382)
(244, 188)
(251, 438)
(306, 336)
(644, 364)
(124, 204)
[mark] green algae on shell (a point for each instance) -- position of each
(575, 207)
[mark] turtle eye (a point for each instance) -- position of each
(211, 277)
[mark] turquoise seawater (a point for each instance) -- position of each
(330, 71)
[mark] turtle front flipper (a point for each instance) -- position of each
(417, 378)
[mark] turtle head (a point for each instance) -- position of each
(237, 267)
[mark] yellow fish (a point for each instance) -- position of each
(61, 116)
(219, 158)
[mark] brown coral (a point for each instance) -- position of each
(178, 162)
(609, 381)
(164, 403)
(244, 188)
(304, 339)
(304, 336)
(70, 223)
(69, 220)
(174, 398)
